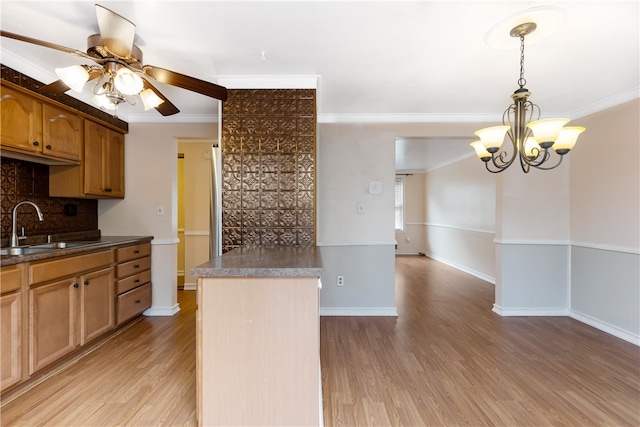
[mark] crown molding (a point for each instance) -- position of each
(269, 82)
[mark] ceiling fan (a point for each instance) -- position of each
(119, 74)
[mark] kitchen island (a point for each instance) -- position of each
(258, 338)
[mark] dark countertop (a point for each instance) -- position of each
(94, 245)
(263, 262)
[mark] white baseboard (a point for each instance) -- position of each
(525, 311)
(189, 287)
(358, 311)
(474, 273)
(605, 327)
(162, 311)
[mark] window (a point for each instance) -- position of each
(399, 190)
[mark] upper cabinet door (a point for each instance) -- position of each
(62, 133)
(95, 144)
(115, 169)
(21, 120)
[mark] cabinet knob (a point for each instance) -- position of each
(136, 266)
(108, 190)
(136, 281)
(86, 283)
(138, 301)
(48, 147)
(75, 285)
(36, 143)
(136, 251)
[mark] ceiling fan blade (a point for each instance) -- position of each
(56, 87)
(44, 44)
(186, 82)
(117, 32)
(166, 108)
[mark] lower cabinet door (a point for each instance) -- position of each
(52, 322)
(97, 292)
(134, 302)
(11, 339)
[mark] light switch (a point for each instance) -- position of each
(375, 187)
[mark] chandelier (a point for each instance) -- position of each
(531, 138)
(114, 85)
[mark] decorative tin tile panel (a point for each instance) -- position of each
(23, 180)
(268, 168)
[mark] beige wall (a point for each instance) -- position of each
(605, 179)
(605, 222)
(151, 151)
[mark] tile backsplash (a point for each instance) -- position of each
(21, 180)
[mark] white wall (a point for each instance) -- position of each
(460, 217)
(151, 180)
(605, 222)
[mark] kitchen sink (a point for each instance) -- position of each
(23, 250)
(61, 245)
(36, 249)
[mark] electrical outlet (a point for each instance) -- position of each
(340, 280)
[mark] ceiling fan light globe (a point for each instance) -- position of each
(150, 99)
(128, 82)
(103, 102)
(74, 76)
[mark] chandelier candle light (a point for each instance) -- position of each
(531, 140)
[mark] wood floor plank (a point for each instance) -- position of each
(446, 360)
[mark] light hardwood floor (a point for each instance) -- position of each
(446, 360)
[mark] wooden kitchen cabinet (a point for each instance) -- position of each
(97, 314)
(11, 327)
(39, 129)
(62, 133)
(21, 120)
(104, 161)
(52, 322)
(101, 174)
(133, 284)
(73, 305)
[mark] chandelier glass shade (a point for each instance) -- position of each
(532, 140)
(116, 84)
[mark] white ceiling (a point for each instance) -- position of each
(386, 61)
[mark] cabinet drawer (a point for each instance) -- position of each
(134, 281)
(134, 302)
(64, 267)
(133, 252)
(132, 267)
(10, 278)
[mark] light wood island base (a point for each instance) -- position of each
(258, 349)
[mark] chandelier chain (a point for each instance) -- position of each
(522, 81)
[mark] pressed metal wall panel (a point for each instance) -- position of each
(268, 168)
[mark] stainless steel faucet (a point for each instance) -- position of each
(14, 214)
